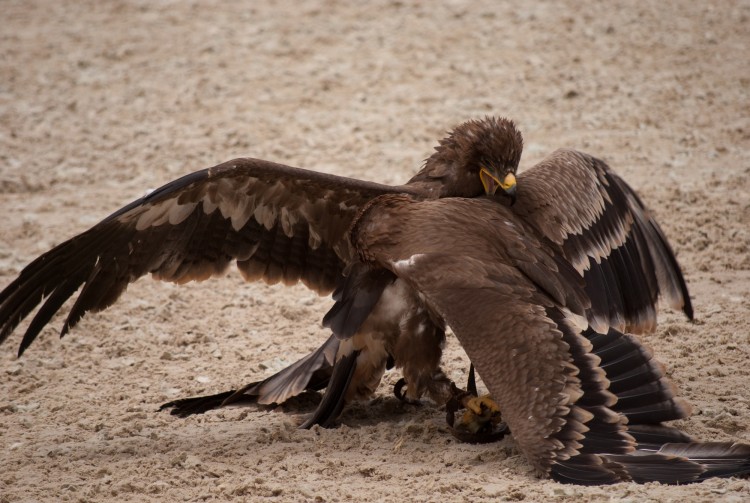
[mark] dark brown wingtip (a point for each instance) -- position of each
(28, 338)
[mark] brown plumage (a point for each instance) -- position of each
(279, 223)
(574, 201)
(573, 263)
(584, 406)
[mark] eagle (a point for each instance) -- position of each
(542, 276)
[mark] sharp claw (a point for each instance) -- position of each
(398, 390)
(471, 383)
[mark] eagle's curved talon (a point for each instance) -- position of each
(398, 390)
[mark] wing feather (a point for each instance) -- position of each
(567, 392)
(609, 236)
(494, 306)
(279, 223)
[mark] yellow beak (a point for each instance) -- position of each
(490, 183)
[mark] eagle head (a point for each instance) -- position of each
(477, 157)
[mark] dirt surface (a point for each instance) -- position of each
(100, 101)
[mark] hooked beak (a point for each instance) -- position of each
(490, 183)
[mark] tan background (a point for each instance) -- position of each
(100, 101)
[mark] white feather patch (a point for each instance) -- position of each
(234, 202)
(406, 263)
(209, 206)
(180, 212)
(265, 215)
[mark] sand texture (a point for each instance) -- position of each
(100, 101)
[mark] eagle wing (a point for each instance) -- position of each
(607, 234)
(584, 407)
(492, 284)
(279, 223)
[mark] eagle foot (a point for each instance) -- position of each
(481, 422)
(398, 390)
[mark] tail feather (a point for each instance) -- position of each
(651, 437)
(640, 448)
(674, 463)
(335, 396)
(642, 467)
(587, 470)
(311, 373)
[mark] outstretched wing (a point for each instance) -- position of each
(568, 394)
(279, 223)
(584, 407)
(609, 236)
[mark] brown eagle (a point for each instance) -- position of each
(589, 214)
(538, 292)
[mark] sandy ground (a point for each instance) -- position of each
(100, 101)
